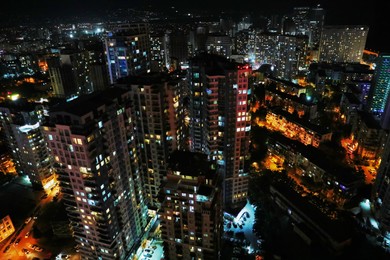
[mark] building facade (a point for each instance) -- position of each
(191, 212)
(21, 121)
(219, 119)
(158, 116)
(127, 52)
(343, 43)
(6, 227)
(93, 143)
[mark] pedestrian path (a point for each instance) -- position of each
(245, 218)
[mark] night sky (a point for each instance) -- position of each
(338, 11)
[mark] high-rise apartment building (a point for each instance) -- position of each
(159, 52)
(62, 78)
(343, 43)
(219, 44)
(309, 21)
(380, 88)
(287, 53)
(191, 212)
(21, 121)
(93, 143)
(96, 76)
(219, 118)
(179, 48)
(158, 114)
(127, 51)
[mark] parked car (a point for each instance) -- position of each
(6, 249)
(38, 249)
(17, 241)
(28, 220)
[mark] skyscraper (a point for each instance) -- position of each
(219, 119)
(21, 121)
(219, 44)
(62, 78)
(309, 21)
(191, 212)
(159, 52)
(380, 88)
(128, 51)
(93, 143)
(286, 53)
(343, 43)
(158, 115)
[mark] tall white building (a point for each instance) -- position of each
(343, 43)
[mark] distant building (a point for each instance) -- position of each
(6, 227)
(77, 71)
(378, 97)
(191, 212)
(219, 44)
(62, 78)
(287, 53)
(343, 43)
(127, 51)
(179, 49)
(159, 51)
(309, 21)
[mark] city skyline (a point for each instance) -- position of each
(337, 13)
(205, 130)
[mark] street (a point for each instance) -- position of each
(19, 245)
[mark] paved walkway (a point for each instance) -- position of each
(247, 227)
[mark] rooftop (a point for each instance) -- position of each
(87, 103)
(337, 230)
(190, 163)
(369, 120)
(345, 175)
(306, 124)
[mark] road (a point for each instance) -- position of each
(15, 251)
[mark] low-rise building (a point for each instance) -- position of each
(296, 128)
(6, 227)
